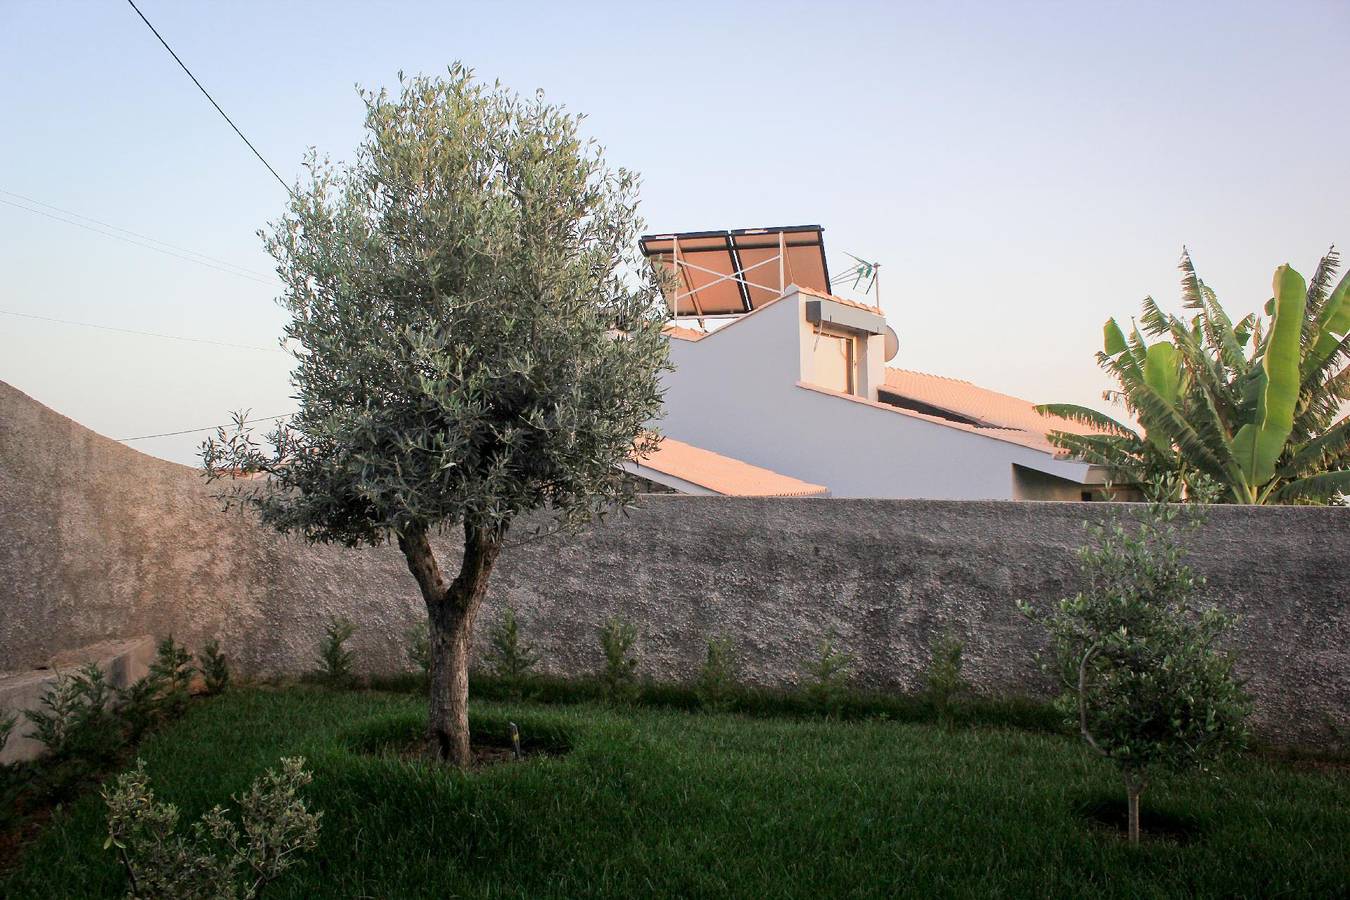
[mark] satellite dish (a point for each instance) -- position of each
(892, 343)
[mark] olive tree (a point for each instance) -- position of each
(1146, 681)
(475, 338)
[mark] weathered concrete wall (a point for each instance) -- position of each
(98, 541)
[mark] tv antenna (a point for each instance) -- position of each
(862, 272)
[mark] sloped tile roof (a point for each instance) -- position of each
(679, 332)
(723, 474)
(853, 303)
(1005, 416)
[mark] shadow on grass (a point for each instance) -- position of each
(979, 711)
(404, 737)
(1110, 814)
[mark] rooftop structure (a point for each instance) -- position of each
(729, 273)
(687, 469)
(795, 382)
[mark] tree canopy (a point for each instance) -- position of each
(1252, 408)
(475, 337)
(1147, 681)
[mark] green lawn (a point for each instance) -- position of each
(671, 803)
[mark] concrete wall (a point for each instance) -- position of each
(742, 392)
(99, 541)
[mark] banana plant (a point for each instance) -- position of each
(1252, 407)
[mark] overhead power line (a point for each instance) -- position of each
(174, 253)
(155, 334)
(146, 437)
(244, 270)
(208, 96)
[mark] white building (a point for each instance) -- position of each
(794, 384)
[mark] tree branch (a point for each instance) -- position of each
(422, 563)
(1091, 654)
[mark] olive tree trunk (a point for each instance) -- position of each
(451, 610)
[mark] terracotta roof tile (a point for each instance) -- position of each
(1010, 417)
(853, 303)
(723, 474)
(679, 332)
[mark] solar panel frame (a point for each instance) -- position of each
(718, 269)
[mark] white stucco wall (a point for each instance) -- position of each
(737, 392)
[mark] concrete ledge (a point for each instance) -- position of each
(123, 662)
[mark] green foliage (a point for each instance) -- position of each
(509, 657)
(73, 718)
(218, 859)
(457, 290)
(1146, 682)
(140, 706)
(10, 783)
(75, 722)
(335, 658)
(1260, 441)
(942, 680)
(476, 336)
(173, 670)
(417, 640)
(619, 678)
(215, 668)
(716, 686)
(1253, 407)
(160, 696)
(7, 722)
(84, 730)
(659, 803)
(827, 676)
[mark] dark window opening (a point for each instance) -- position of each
(926, 408)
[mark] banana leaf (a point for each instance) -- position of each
(1259, 442)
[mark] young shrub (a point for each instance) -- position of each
(716, 685)
(73, 719)
(161, 695)
(509, 656)
(7, 722)
(173, 670)
(275, 827)
(11, 782)
(140, 706)
(827, 677)
(418, 639)
(942, 681)
(335, 659)
(1145, 681)
(619, 678)
(215, 668)
(75, 722)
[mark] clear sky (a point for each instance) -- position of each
(1022, 170)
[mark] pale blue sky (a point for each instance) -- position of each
(1022, 170)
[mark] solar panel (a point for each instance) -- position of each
(720, 273)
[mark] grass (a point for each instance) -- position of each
(662, 801)
(1009, 711)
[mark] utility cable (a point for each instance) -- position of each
(136, 234)
(128, 240)
(172, 337)
(146, 437)
(212, 99)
